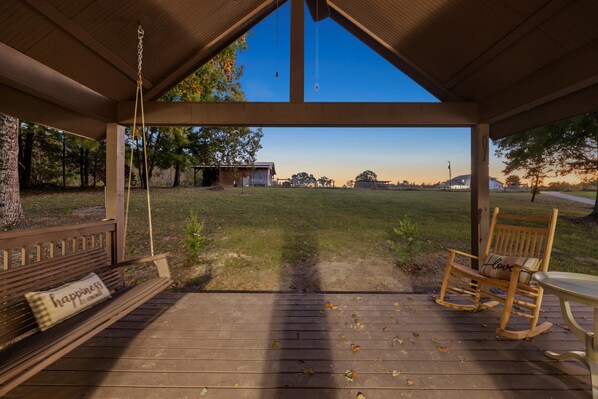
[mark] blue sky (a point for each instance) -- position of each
(348, 71)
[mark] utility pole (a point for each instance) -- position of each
(450, 177)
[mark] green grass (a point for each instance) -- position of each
(583, 194)
(252, 237)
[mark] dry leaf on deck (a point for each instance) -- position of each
(350, 375)
(360, 396)
(442, 349)
(396, 373)
(330, 306)
(410, 382)
(275, 344)
(308, 371)
(415, 334)
(203, 392)
(385, 329)
(355, 348)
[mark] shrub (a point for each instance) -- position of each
(195, 241)
(407, 245)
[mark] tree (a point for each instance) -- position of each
(303, 179)
(513, 181)
(569, 146)
(367, 175)
(350, 183)
(11, 212)
(324, 181)
(527, 152)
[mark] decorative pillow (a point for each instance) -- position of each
(501, 267)
(53, 306)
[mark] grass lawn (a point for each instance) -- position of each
(583, 194)
(306, 239)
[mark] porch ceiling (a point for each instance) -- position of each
(513, 58)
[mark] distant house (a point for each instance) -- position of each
(259, 174)
(372, 184)
(463, 182)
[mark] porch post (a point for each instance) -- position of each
(480, 203)
(115, 184)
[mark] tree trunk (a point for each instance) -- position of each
(594, 213)
(81, 172)
(535, 189)
(86, 167)
(63, 161)
(177, 169)
(25, 164)
(11, 213)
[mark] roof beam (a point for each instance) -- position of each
(67, 25)
(565, 76)
(390, 53)
(297, 81)
(578, 103)
(507, 41)
(303, 114)
(318, 9)
(33, 109)
(30, 76)
(213, 48)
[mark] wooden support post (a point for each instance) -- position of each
(115, 186)
(480, 203)
(297, 52)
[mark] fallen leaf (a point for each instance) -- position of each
(275, 344)
(397, 310)
(341, 336)
(442, 349)
(415, 334)
(396, 304)
(410, 298)
(396, 373)
(350, 375)
(385, 329)
(203, 392)
(360, 396)
(435, 341)
(391, 317)
(358, 298)
(410, 382)
(355, 348)
(308, 371)
(330, 306)
(398, 340)
(484, 325)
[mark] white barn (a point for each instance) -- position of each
(463, 182)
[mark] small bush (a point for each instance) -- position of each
(407, 244)
(195, 241)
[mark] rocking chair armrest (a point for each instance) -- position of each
(455, 252)
(136, 261)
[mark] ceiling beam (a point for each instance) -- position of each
(565, 76)
(391, 54)
(33, 109)
(507, 41)
(318, 9)
(70, 27)
(30, 76)
(578, 103)
(212, 49)
(303, 114)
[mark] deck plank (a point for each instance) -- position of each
(264, 345)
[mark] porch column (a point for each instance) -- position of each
(480, 202)
(115, 183)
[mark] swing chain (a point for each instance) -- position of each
(140, 34)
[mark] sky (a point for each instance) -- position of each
(346, 70)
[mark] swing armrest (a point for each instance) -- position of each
(159, 260)
(454, 251)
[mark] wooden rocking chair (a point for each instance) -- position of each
(523, 242)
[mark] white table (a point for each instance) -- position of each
(581, 288)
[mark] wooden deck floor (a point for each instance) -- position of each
(218, 345)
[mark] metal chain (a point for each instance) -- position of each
(140, 34)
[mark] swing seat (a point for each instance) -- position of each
(24, 350)
(514, 237)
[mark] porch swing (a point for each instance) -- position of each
(24, 349)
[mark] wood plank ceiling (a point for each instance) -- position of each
(516, 59)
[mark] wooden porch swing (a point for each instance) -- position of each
(40, 260)
(527, 246)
